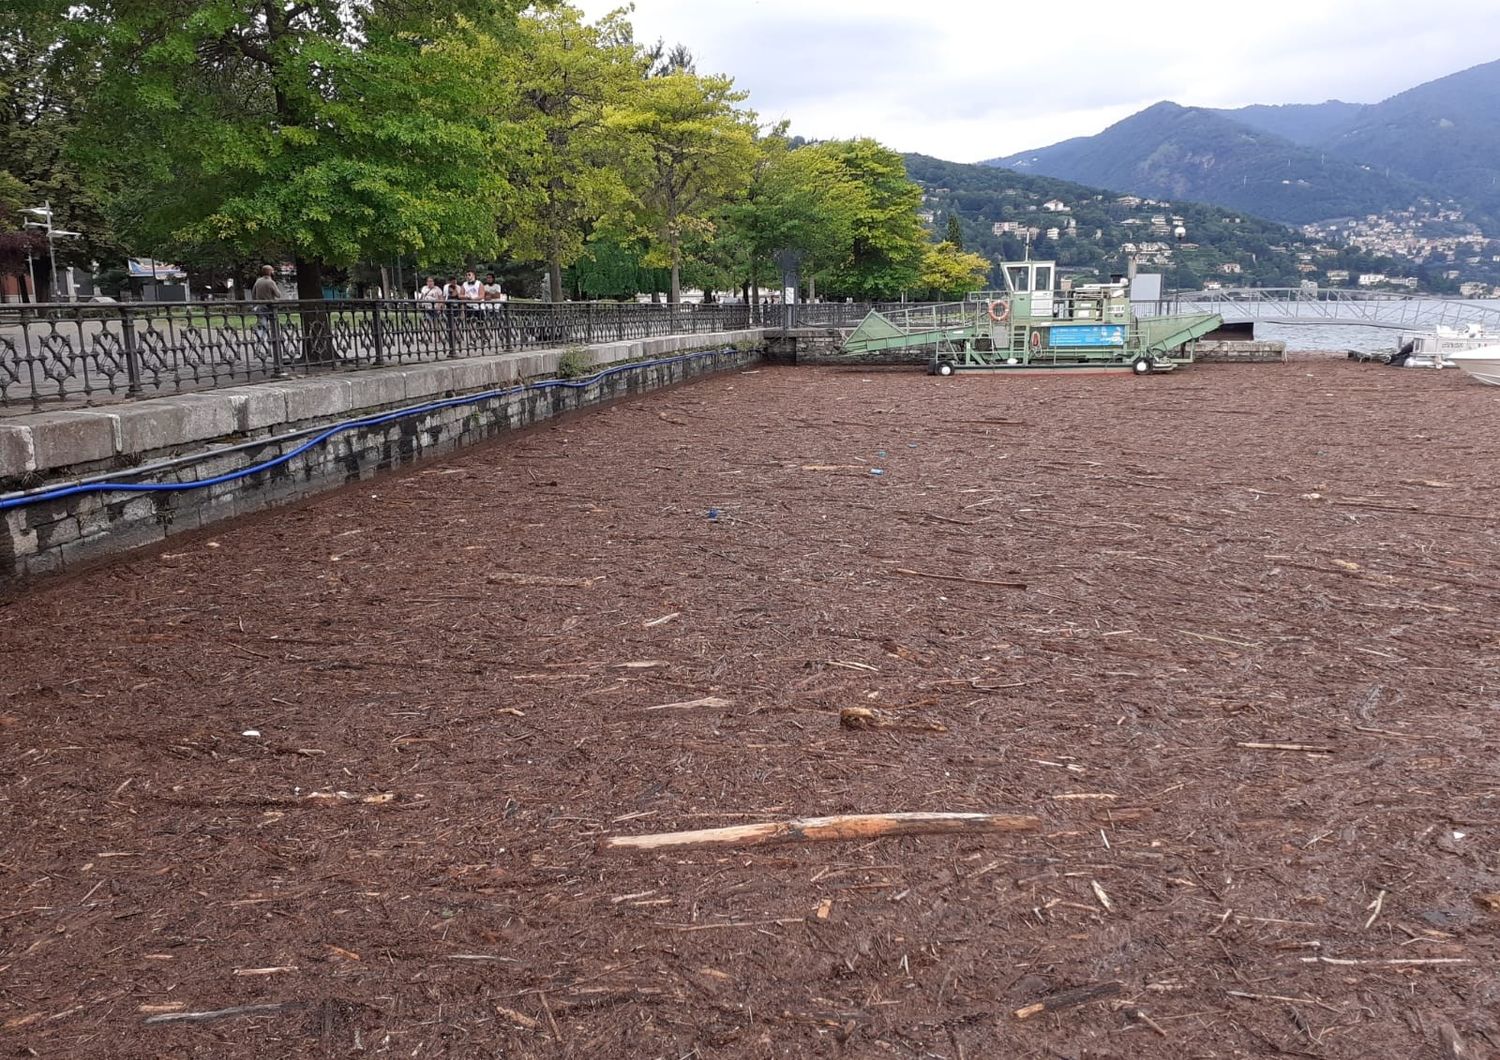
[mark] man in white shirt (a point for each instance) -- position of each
(473, 290)
(494, 294)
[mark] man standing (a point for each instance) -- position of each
(266, 288)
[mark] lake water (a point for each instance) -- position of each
(1341, 337)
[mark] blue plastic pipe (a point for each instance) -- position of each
(25, 500)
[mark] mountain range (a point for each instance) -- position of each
(1438, 143)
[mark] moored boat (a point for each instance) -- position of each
(1482, 363)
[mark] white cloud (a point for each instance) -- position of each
(967, 79)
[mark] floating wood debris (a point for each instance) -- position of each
(845, 827)
(868, 718)
(1067, 999)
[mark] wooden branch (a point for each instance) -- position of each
(1071, 999)
(845, 827)
(215, 1014)
(1310, 748)
(955, 578)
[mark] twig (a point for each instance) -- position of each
(706, 701)
(1377, 905)
(1216, 640)
(510, 578)
(1100, 894)
(1454, 1047)
(220, 1013)
(1403, 510)
(1344, 961)
(1070, 999)
(1282, 997)
(551, 1019)
(1311, 749)
(956, 578)
(845, 827)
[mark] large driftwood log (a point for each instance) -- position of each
(857, 826)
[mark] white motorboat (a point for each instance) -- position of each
(1435, 349)
(1482, 363)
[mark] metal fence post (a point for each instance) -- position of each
(451, 329)
(619, 321)
(278, 362)
(376, 334)
(588, 327)
(132, 355)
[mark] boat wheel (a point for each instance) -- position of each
(1142, 366)
(944, 368)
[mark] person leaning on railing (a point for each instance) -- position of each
(431, 295)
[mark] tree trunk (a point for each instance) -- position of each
(317, 337)
(554, 267)
(675, 294)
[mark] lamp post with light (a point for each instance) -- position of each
(45, 211)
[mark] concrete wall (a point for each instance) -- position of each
(1227, 351)
(61, 446)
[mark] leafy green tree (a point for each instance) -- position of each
(566, 73)
(886, 256)
(800, 200)
(691, 149)
(44, 80)
(950, 272)
(332, 130)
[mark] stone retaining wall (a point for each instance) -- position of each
(1240, 351)
(62, 446)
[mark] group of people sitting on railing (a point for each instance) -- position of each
(471, 293)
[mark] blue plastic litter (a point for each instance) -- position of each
(713, 513)
(877, 471)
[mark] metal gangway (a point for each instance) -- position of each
(1294, 305)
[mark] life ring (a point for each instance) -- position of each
(1003, 315)
(1036, 341)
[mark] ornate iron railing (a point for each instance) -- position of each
(83, 351)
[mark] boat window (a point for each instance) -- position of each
(1018, 278)
(1044, 277)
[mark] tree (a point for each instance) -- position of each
(566, 74)
(886, 255)
(949, 272)
(690, 150)
(800, 200)
(331, 130)
(955, 235)
(44, 79)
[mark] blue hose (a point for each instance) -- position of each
(25, 500)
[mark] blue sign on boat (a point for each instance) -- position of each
(1088, 335)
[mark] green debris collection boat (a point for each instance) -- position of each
(1034, 326)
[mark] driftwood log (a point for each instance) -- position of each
(846, 827)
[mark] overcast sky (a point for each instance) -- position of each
(968, 80)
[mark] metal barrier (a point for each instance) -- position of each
(78, 351)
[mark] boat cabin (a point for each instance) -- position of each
(1033, 293)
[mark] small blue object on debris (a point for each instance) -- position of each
(877, 471)
(880, 454)
(713, 513)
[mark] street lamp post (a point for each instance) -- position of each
(53, 234)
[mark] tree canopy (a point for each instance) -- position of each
(342, 134)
